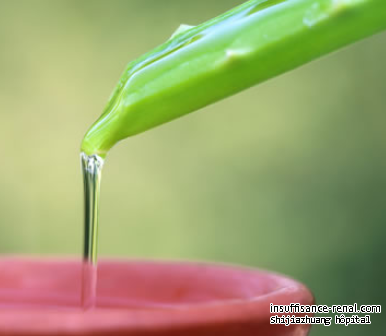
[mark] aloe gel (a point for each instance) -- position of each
(92, 174)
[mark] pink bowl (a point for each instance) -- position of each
(42, 297)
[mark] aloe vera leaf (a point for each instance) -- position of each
(243, 47)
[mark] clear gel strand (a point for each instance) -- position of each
(92, 172)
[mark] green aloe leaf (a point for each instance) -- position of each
(243, 47)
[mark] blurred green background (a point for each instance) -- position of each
(288, 176)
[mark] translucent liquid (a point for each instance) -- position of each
(92, 173)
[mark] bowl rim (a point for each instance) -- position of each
(31, 321)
